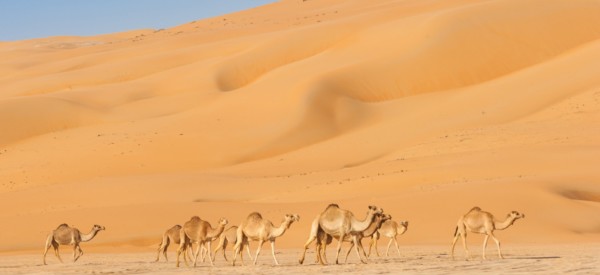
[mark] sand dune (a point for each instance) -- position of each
(424, 108)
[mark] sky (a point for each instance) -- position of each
(26, 19)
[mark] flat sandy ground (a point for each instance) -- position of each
(557, 259)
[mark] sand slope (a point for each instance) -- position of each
(424, 108)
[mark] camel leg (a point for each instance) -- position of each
(371, 245)
(339, 248)
(80, 251)
(348, 252)
(464, 241)
(497, 245)
(396, 243)
(260, 243)
(387, 251)
(197, 253)
(453, 244)
(49, 241)
(247, 250)
(358, 247)
(210, 258)
(162, 248)
(183, 245)
(485, 240)
(324, 255)
(314, 228)
(273, 252)
(221, 245)
(202, 253)
(74, 253)
(56, 252)
(376, 248)
(247, 245)
(238, 244)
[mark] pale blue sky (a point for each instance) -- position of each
(25, 19)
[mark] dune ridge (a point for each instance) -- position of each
(424, 108)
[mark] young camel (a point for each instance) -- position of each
(478, 221)
(258, 229)
(230, 236)
(170, 236)
(198, 231)
(338, 223)
(324, 239)
(390, 229)
(66, 235)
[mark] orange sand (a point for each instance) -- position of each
(424, 108)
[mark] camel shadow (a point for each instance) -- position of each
(536, 258)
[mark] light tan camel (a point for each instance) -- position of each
(390, 229)
(66, 235)
(338, 223)
(230, 236)
(478, 221)
(198, 231)
(170, 236)
(324, 239)
(256, 228)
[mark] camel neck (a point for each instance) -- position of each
(281, 229)
(89, 236)
(372, 228)
(213, 233)
(501, 225)
(358, 226)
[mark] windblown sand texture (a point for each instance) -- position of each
(423, 108)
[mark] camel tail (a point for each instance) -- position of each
(455, 231)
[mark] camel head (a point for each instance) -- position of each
(516, 215)
(292, 218)
(374, 210)
(383, 217)
(404, 223)
(223, 221)
(98, 227)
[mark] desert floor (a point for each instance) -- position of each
(557, 259)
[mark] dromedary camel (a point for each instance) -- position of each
(170, 236)
(256, 228)
(230, 236)
(324, 239)
(66, 235)
(390, 229)
(338, 223)
(482, 222)
(198, 231)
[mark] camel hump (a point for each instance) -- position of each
(62, 225)
(195, 218)
(475, 209)
(333, 205)
(255, 215)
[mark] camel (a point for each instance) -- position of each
(338, 223)
(170, 236)
(66, 235)
(390, 229)
(324, 239)
(198, 231)
(478, 221)
(258, 229)
(230, 236)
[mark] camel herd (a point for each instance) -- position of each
(333, 223)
